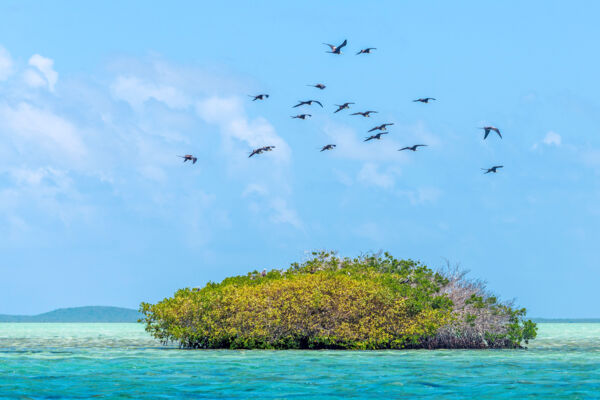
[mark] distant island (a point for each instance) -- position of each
(366, 303)
(79, 314)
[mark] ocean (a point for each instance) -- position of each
(121, 361)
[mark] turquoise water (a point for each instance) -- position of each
(80, 361)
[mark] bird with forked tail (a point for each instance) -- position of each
(336, 49)
(381, 127)
(189, 157)
(342, 107)
(261, 150)
(488, 129)
(494, 169)
(424, 100)
(367, 50)
(365, 114)
(259, 97)
(377, 136)
(413, 148)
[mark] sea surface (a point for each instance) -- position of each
(82, 361)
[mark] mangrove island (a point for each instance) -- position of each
(369, 302)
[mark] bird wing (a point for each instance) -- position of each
(318, 102)
(299, 104)
(339, 109)
(373, 129)
(404, 148)
(420, 145)
(498, 132)
(369, 138)
(499, 166)
(330, 45)
(194, 160)
(487, 132)
(357, 113)
(344, 43)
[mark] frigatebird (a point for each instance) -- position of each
(318, 86)
(328, 147)
(336, 49)
(381, 127)
(364, 114)
(259, 97)
(413, 148)
(424, 100)
(302, 116)
(260, 150)
(190, 158)
(487, 129)
(494, 169)
(342, 107)
(307, 103)
(377, 136)
(367, 50)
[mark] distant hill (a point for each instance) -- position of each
(567, 320)
(78, 314)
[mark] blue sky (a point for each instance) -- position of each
(98, 98)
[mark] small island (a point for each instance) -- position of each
(370, 302)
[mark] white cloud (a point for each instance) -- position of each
(552, 139)
(136, 92)
(283, 214)
(370, 175)
(39, 132)
(6, 64)
(422, 195)
(33, 78)
(229, 115)
(46, 67)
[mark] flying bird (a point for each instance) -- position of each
(328, 147)
(342, 107)
(424, 100)
(381, 127)
(318, 86)
(189, 157)
(259, 97)
(494, 169)
(302, 116)
(487, 129)
(307, 103)
(364, 114)
(367, 50)
(377, 136)
(336, 49)
(261, 150)
(413, 148)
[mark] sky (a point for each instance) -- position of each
(98, 98)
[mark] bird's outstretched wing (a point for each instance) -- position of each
(299, 104)
(357, 113)
(330, 45)
(498, 132)
(344, 43)
(373, 129)
(420, 145)
(318, 102)
(485, 135)
(404, 148)
(499, 166)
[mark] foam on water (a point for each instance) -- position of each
(42, 361)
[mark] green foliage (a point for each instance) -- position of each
(368, 302)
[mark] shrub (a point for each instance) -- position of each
(327, 302)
